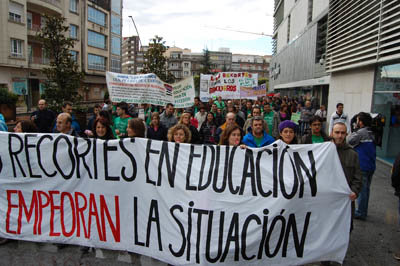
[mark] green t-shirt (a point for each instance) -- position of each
(258, 141)
(121, 124)
(317, 139)
(220, 105)
(269, 119)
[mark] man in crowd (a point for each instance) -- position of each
(321, 112)
(350, 164)
(363, 142)
(167, 118)
(229, 121)
(269, 116)
(64, 124)
(43, 117)
(247, 108)
(256, 111)
(396, 185)
(67, 108)
(239, 120)
(257, 137)
(220, 103)
(339, 116)
(96, 111)
(121, 121)
(201, 116)
(316, 135)
(197, 105)
(306, 113)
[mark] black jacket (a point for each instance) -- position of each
(396, 175)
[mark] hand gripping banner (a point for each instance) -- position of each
(182, 204)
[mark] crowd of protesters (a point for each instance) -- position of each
(244, 123)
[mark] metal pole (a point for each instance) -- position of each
(134, 24)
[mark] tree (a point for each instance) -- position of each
(206, 62)
(155, 62)
(63, 76)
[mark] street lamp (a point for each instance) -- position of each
(136, 31)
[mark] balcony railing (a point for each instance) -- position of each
(33, 27)
(39, 60)
(56, 3)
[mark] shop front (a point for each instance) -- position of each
(386, 101)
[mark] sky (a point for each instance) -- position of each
(193, 24)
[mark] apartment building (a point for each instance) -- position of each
(363, 59)
(183, 63)
(251, 63)
(96, 25)
(298, 63)
(130, 50)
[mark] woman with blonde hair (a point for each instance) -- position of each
(156, 130)
(185, 120)
(179, 134)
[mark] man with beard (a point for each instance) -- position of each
(257, 137)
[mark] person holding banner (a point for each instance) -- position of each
(257, 137)
(156, 130)
(25, 126)
(136, 128)
(102, 129)
(179, 134)
(232, 136)
(287, 131)
(350, 163)
(64, 125)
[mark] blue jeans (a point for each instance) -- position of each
(363, 197)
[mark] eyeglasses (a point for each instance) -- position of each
(316, 124)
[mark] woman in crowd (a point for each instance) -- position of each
(232, 136)
(156, 130)
(287, 131)
(102, 129)
(179, 134)
(283, 113)
(208, 130)
(25, 126)
(136, 128)
(185, 120)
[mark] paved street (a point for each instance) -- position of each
(372, 242)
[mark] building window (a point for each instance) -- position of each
(15, 12)
(186, 64)
(115, 45)
(322, 30)
(73, 31)
(96, 16)
(96, 62)
(29, 20)
(115, 24)
(73, 6)
(17, 48)
(96, 39)
(115, 65)
(116, 6)
(74, 55)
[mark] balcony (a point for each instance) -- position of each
(33, 29)
(50, 6)
(38, 62)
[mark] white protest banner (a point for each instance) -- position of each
(183, 93)
(253, 92)
(182, 204)
(148, 88)
(226, 84)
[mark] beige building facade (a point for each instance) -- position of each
(96, 27)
